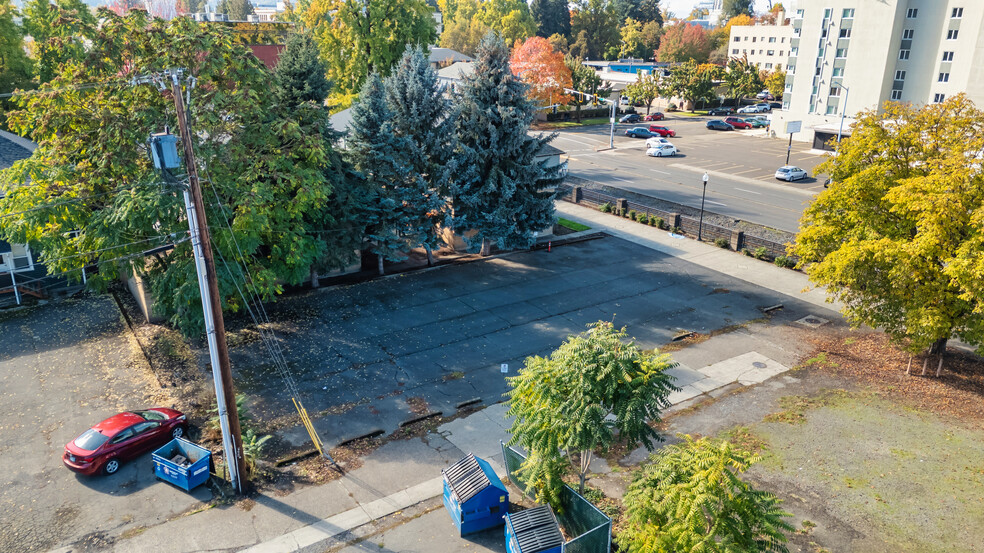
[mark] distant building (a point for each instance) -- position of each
(619, 74)
(767, 46)
(455, 73)
(20, 272)
(443, 57)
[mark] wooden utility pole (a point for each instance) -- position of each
(211, 303)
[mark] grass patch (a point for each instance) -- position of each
(568, 124)
(456, 375)
(698, 113)
(604, 503)
(742, 437)
(577, 227)
(794, 408)
(821, 360)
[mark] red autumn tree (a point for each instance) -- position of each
(537, 64)
(684, 42)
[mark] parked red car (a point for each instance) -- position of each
(122, 437)
(738, 123)
(658, 116)
(662, 131)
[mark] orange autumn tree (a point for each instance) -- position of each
(538, 65)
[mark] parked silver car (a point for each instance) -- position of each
(789, 173)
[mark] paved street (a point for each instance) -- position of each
(741, 167)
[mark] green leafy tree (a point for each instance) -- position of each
(693, 82)
(196, 6)
(237, 10)
(59, 31)
(647, 88)
(583, 79)
(498, 188)
(741, 78)
(377, 153)
(358, 37)
(597, 23)
(89, 192)
(466, 30)
(300, 75)
(896, 237)
(684, 42)
(559, 43)
(564, 402)
(690, 498)
(734, 8)
(643, 11)
(15, 67)
(652, 33)
(551, 17)
(422, 115)
(776, 81)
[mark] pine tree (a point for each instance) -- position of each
(300, 75)
(498, 188)
(237, 10)
(551, 17)
(421, 115)
(377, 154)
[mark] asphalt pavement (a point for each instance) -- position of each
(741, 166)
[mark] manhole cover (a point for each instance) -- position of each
(813, 321)
(759, 365)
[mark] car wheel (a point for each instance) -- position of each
(111, 466)
(177, 432)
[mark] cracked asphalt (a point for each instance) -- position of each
(360, 352)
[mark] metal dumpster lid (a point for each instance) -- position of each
(466, 478)
(536, 529)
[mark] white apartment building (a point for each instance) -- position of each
(854, 55)
(767, 46)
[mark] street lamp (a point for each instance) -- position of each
(840, 130)
(700, 226)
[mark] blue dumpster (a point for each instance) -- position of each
(182, 463)
(533, 531)
(473, 495)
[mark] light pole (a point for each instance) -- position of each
(700, 226)
(840, 130)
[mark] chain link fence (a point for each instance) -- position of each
(578, 516)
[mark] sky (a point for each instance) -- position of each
(682, 8)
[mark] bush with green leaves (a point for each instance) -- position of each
(690, 498)
(656, 221)
(253, 445)
(605, 207)
(784, 262)
(564, 403)
(761, 253)
(722, 243)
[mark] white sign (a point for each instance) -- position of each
(611, 120)
(793, 126)
(504, 367)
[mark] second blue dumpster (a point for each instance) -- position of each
(533, 531)
(474, 495)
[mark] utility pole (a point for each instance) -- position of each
(232, 441)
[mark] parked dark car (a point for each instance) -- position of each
(640, 132)
(738, 123)
(662, 131)
(122, 437)
(719, 125)
(658, 116)
(630, 118)
(720, 111)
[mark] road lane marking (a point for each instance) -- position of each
(624, 180)
(562, 137)
(658, 171)
(716, 203)
(749, 191)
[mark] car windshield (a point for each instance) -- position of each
(783, 170)
(90, 440)
(151, 415)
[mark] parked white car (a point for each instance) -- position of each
(656, 142)
(664, 150)
(789, 173)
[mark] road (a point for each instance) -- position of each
(741, 169)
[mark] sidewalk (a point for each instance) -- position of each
(404, 473)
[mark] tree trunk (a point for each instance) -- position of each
(379, 262)
(486, 248)
(938, 347)
(430, 256)
(909, 366)
(585, 466)
(315, 281)
(939, 367)
(926, 360)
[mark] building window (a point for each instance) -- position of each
(768, 66)
(900, 75)
(907, 34)
(745, 51)
(943, 78)
(835, 91)
(772, 39)
(956, 13)
(818, 71)
(780, 53)
(845, 33)
(799, 14)
(903, 54)
(841, 52)
(896, 94)
(831, 110)
(947, 56)
(794, 51)
(753, 38)
(746, 39)
(789, 87)
(838, 72)
(938, 98)
(735, 51)
(760, 52)
(771, 52)
(952, 34)
(785, 104)
(826, 13)
(911, 13)
(737, 39)
(848, 13)
(783, 40)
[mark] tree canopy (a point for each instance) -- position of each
(299, 74)
(237, 10)
(595, 24)
(693, 82)
(59, 31)
(583, 79)
(898, 237)
(15, 67)
(684, 42)
(734, 8)
(593, 385)
(690, 498)
(647, 88)
(551, 17)
(535, 62)
(742, 78)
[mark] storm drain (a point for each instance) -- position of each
(812, 321)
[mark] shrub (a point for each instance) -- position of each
(671, 107)
(605, 207)
(722, 243)
(784, 262)
(677, 230)
(642, 217)
(746, 252)
(632, 214)
(761, 253)
(658, 222)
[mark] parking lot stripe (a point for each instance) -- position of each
(624, 180)
(749, 191)
(747, 171)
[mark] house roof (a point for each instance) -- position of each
(456, 71)
(341, 120)
(548, 150)
(12, 148)
(440, 55)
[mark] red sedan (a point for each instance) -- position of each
(658, 116)
(122, 437)
(662, 131)
(738, 123)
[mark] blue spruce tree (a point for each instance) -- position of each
(498, 188)
(378, 155)
(421, 116)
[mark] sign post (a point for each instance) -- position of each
(791, 127)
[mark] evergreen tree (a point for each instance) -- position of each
(551, 17)
(377, 154)
(15, 67)
(421, 115)
(498, 188)
(237, 10)
(300, 75)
